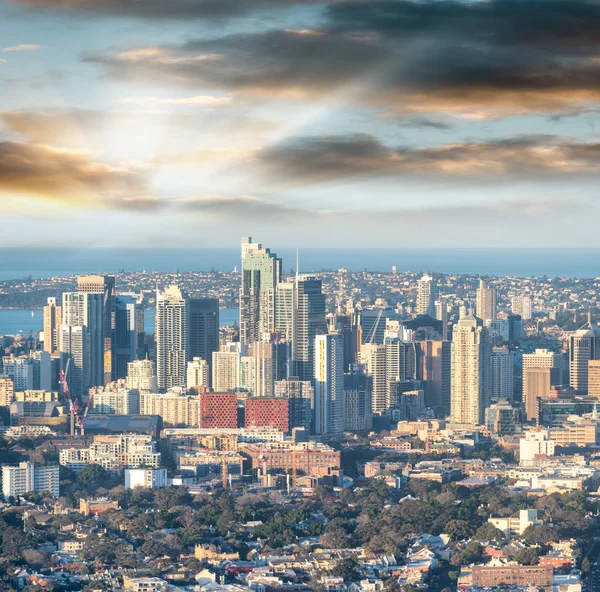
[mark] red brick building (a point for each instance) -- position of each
(218, 410)
(512, 574)
(267, 411)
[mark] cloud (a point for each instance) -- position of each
(67, 177)
(314, 160)
(160, 10)
(466, 59)
(23, 47)
(196, 101)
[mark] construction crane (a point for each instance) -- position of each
(83, 417)
(375, 326)
(73, 402)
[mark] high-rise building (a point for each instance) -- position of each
(400, 365)
(470, 369)
(301, 396)
(20, 370)
(269, 364)
(226, 371)
(105, 286)
(171, 338)
(441, 314)
(310, 322)
(434, 368)
(425, 303)
(128, 344)
(146, 478)
(267, 411)
(373, 324)
(502, 374)
(7, 390)
(175, 409)
(584, 345)
(522, 306)
(85, 310)
(118, 401)
(485, 305)
(358, 407)
(593, 379)
(285, 320)
(541, 370)
(52, 324)
(218, 410)
(26, 477)
(261, 272)
(198, 373)
(204, 329)
(503, 419)
(373, 356)
(141, 376)
(74, 358)
(329, 384)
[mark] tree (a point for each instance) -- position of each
(540, 535)
(528, 556)
(488, 532)
(334, 538)
(347, 569)
(459, 530)
(586, 565)
(92, 473)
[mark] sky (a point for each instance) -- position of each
(348, 123)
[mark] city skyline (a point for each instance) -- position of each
(334, 124)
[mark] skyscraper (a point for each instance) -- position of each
(470, 371)
(501, 374)
(128, 337)
(86, 310)
(425, 303)
(198, 373)
(141, 376)
(204, 329)
(329, 384)
(74, 358)
(171, 338)
(301, 397)
(373, 356)
(485, 305)
(104, 285)
(358, 407)
(541, 370)
(434, 368)
(261, 272)
(226, 371)
(400, 366)
(441, 314)
(268, 365)
(584, 345)
(522, 306)
(310, 321)
(285, 320)
(52, 323)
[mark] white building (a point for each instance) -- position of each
(329, 384)
(148, 478)
(485, 301)
(20, 371)
(225, 371)
(141, 376)
(26, 477)
(425, 304)
(535, 443)
(198, 373)
(175, 409)
(122, 401)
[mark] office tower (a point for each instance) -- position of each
(19, 370)
(121, 401)
(343, 324)
(26, 477)
(285, 320)
(499, 329)
(425, 303)
(301, 397)
(128, 342)
(593, 379)
(7, 390)
(52, 324)
(204, 329)
(541, 370)
(522, 306)
(410, 402)
(434, 368)
(329, 384)
(74, 358)
(218, 410)
(373, 324)
(310, 321)
(470, 369)
(171, 338)
(373, 356)
(501, 374)
(141, 376)
(485, 305)
(104, 286)
(261, 272)
(269, 364)
(503, 419)
(584, 345)
(267, 411)
(515, 328)
(441, 314)
(400, 365)
(358, 406)
(86, 310)
(226, 371)
(175, 409)
(198, 373)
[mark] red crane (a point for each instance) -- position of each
(66, 393)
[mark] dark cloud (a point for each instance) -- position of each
(68, 177)
(240, 207)
(320, 159)
(159, 9)
(479, 59)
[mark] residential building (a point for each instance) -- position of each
(434, 368)
(516, 525)
(535, 444)
(584, 345)
(203, 330)
(358, 406)
(114, 401)
(25, 477)
(503, 419)
(329, 384)
(226, 371)
(175, 409)
(52, 324)
(310, 322)
(198, 373)
(485, 302)
(141, 376)
(267, 411)
(218, 410)
(425, 303)
(501, 374)
(300, 395)
(7, 390)
(146, 478)
(594, 378)
(541, 370)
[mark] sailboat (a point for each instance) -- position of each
(31, 314)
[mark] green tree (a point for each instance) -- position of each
(92, 473)
(528, 556)
(347, 569)
(488, 532)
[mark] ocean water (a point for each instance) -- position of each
(21, 263)
(13, 322)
